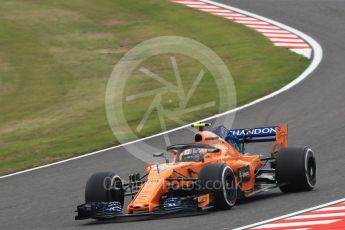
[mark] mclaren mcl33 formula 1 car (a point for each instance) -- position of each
(211, 173)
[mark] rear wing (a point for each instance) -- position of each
(279, 134)
(262, 134)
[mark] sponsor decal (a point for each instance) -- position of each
(265, 131)
(244, 174)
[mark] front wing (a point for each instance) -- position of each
(98, 210)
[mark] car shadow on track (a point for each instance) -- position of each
(260, 197)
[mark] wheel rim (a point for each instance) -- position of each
(229, 188)
(310, 168)
(115, 192)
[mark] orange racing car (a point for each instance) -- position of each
(211, 173)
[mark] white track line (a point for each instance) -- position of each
(297, 224)
(332, 209)
(215, 10)
(298, 40)
(252, 22)
(190, 2)
(234, 15)
(263, 27)
(315, 216)
(224, 14)
(289, 215)
(292, 45)
(204, 7)
(317, 57)
(280, 31)
(244, 18)
(299, 228)
(273, 35)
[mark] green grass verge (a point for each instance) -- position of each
(56, 58)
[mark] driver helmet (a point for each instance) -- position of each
(193, 154)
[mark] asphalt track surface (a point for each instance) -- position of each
(314, 110)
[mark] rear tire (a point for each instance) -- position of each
(104, 186)
(295, 169)
(220, 182)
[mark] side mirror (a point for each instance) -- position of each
(161, 155)
(158, 154)
(215, 150)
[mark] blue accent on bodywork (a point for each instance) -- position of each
(225, 134)
(176, 203)
(108, 208)
(234, 141)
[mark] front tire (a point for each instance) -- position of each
(220, 182)
(104, 186)
(295, 169)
